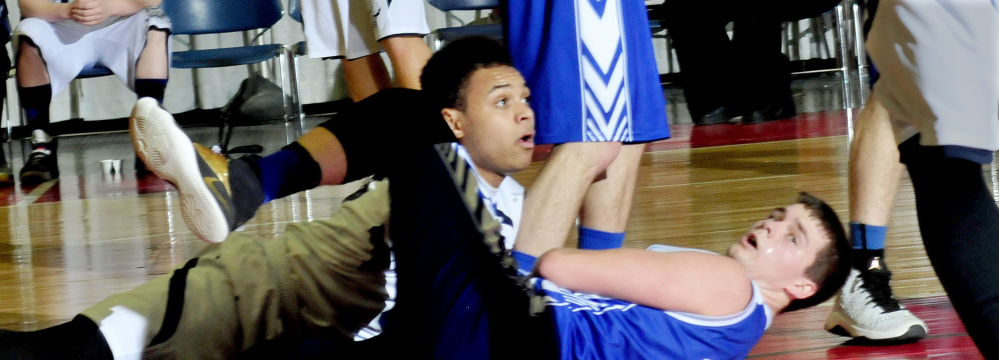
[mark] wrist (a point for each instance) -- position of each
(65, 11)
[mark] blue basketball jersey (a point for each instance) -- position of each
(591, 69)
(596, 327)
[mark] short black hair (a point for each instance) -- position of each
(832, 263)
(446, 74)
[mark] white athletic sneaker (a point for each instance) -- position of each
(865, 309)
(200, 175)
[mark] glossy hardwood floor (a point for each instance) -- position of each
(66, 244)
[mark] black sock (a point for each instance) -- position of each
(153, 88)
(78, 339)
(862, 258)
(35, 101)
(959, 223)
(247, 194)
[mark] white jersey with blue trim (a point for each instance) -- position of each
(595, 327)
(505, 204)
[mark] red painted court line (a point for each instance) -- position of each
(687, 136)
(684, 136)
(94, 186)
(799, 335)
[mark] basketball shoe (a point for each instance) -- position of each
(201, 176)
(41, 165)
(865, 308)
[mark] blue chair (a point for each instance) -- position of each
(443, 35)
(197, 17)
(299, 49)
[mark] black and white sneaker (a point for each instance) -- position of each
(866, 310)
(42, 165)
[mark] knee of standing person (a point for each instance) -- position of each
(591, 158)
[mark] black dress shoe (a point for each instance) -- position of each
(769, 113)
(719, 115)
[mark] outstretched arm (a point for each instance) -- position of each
(693, 282)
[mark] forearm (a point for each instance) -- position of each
(44, 9)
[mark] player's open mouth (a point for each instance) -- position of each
(751, 239)
(527, 140)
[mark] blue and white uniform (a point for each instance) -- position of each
(596, 327)
(591, 68)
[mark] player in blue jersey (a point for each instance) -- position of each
(461, 298)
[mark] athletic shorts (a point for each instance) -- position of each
(939, 72)
(591, 69)
(352, 28)
(69, 47)
(322, 279)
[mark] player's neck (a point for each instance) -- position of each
(492, 178)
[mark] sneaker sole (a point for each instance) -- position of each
(839, 324)
(169, 153)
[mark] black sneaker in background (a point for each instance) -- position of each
(42, 165)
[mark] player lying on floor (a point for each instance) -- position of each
(460, 298)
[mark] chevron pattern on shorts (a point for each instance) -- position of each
(604, 71)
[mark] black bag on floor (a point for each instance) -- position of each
(257, 99)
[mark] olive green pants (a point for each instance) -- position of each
(323, 278)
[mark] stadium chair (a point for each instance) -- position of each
(197, 17)
(443, 35)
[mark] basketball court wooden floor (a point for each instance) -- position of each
(66, 244)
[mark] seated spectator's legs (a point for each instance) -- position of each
(408, 54)
(33, 85)
(34, 89)
(153, 67)
(365, 76)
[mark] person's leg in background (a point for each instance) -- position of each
(6, 175)
(763, 74)
(865, 307)
(152, 72)
(705, 55)
(408, 55)
(35, 93)
(948, 125)
(365, 76)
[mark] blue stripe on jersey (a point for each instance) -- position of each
(594, 327)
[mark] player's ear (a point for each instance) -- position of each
(802, 289)
(455, 120)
